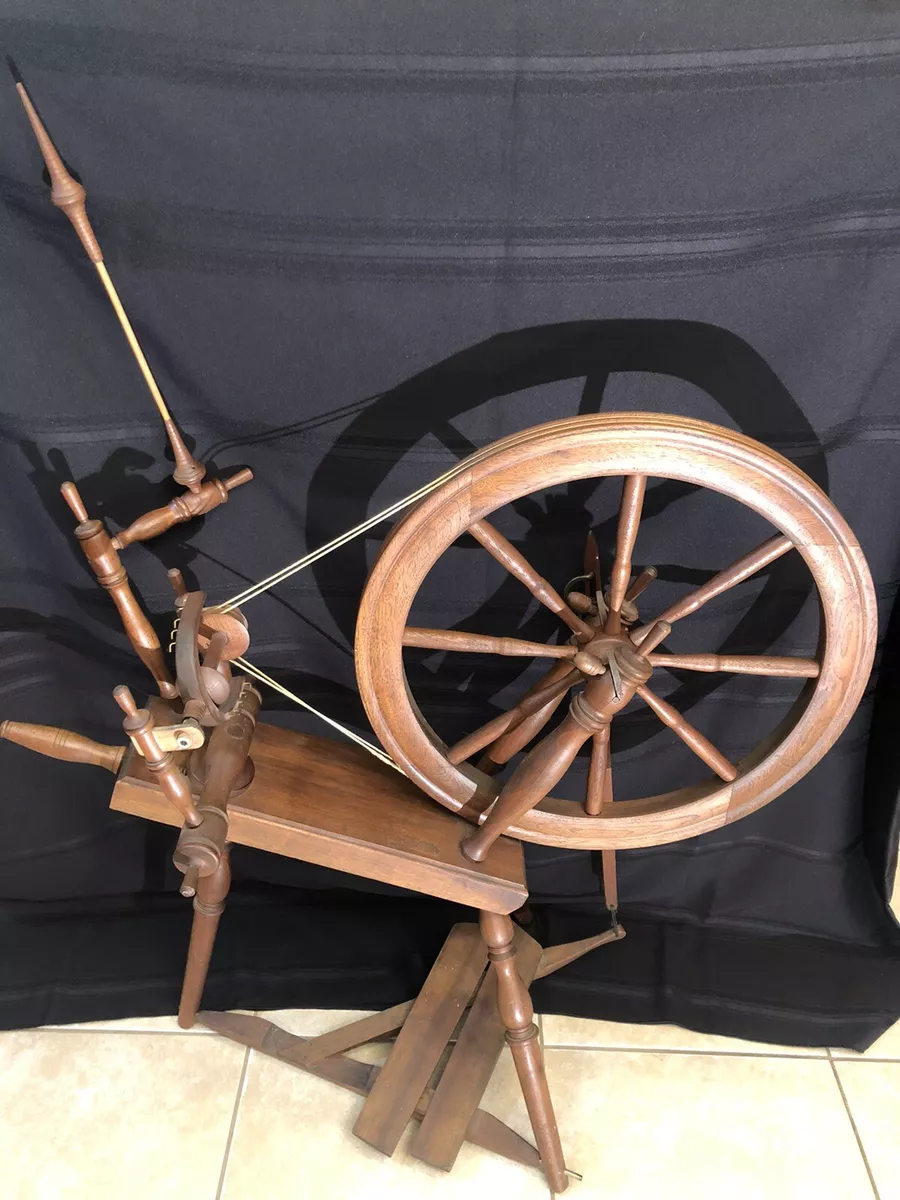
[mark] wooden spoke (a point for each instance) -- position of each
(629, 519)
(539, 772)
(741, 664)
(518, 736)
(642, 582)
(599, 788)
(691, 737)
(517, 564)
(480, 643)
(656, 633)
(729, 578)
(555, 684)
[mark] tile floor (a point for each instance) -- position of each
(143, 1111)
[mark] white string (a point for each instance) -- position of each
(256, 589)
(256, 673)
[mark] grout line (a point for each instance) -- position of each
(815, 1057)
(859, 1141)
(242, 1084)
(113, 1029)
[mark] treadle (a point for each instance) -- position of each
(426, 1031)
(427, 1077)
(484, 1129)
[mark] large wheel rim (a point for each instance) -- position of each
(611, 445)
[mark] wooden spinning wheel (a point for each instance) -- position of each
(613, 663)
(188, 762)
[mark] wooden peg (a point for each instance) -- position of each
(183, 508)
(643, 581)
(63, 744)
(588, 664)
(138, 724)
(657, 633)
(176, 579)
(72, 497)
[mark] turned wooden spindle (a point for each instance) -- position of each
(517, 1014)
(549, 690)
(598, 773)
(138, 724)
(183, 508)
(774, 665)
(518, 565)
(692, 737)
(63, 744)
(738, 572)
(112, 576)
(69, 196)
(629, 520)
(481, 643)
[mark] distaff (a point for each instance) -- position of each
(69, 195)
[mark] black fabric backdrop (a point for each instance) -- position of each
(357, 241)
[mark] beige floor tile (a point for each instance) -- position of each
(107, 1116)
(140, 1025)
(293, 1139)
(133, 1025)
(872, 1090)
(641, 1126)
(583, 1032)
(887, 1046)
(309, 1022)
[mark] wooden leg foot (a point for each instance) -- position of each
(209, 903)
(517, 1014)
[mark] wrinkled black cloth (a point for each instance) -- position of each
(358, 242)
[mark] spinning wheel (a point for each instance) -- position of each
(189, 763)
(613, 663)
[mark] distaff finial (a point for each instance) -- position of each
(69, 195)
(65, 191)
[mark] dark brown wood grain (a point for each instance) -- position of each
(330, 803)
(420, 1043)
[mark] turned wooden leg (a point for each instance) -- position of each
(208, 905)
(517, 1015)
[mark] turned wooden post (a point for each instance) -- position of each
(107, 566)
(209, 904)
(517, 1014)
(202, 853)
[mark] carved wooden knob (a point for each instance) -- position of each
(123, 697)
(588, 664)
(71, 496)
(579, 601)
